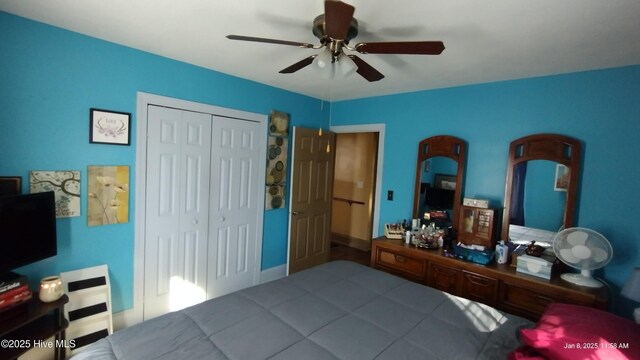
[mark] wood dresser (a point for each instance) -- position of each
(498, 285)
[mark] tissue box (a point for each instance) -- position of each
(535, 266)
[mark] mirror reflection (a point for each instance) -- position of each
(537, 202)
(437, 188)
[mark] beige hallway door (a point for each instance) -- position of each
(311, 193)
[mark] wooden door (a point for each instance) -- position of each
(311, 194)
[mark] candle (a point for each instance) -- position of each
(50, 289)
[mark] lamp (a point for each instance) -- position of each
(324, 63)
(347, 65)
(323, 59)
(631, 290)
(327, 62)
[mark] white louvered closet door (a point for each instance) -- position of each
(177, 209)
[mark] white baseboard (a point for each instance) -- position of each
(274, 273)
(124, 319)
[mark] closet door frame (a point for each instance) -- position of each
(135, 315)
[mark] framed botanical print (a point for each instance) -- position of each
(109, 127)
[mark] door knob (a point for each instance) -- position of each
(295, 212)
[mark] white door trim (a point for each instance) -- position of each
(379, 128)
(290, 197)
(135, 315)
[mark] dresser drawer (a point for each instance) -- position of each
(523, 301)
(532, 303)
(479, 288)
(401, 264)
(445, 278)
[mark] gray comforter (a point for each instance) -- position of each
(338, 310)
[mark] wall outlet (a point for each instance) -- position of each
(390, 195)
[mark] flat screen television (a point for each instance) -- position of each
(438, 199)
(27, 229)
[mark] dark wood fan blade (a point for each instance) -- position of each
(365, 70)
(269, 41)
(299, 65)
(406, 47)
(337, 18)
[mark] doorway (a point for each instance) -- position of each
(376, 128)
(367, 140)
(354, 183)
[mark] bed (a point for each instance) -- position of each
(524, 235)
(338, 310)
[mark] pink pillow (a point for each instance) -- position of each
(576, 332)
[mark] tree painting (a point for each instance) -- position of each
(108, 200)
(64, 184)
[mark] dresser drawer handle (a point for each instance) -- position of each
(400, 258)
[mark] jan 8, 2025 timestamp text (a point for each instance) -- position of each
(597, 345)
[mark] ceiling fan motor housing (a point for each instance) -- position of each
(320, 32)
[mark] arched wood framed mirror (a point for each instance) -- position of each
(541, 185)
(439, 176)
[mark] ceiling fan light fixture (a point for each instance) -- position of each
(347, 65)
(323, 59)
(335, 28)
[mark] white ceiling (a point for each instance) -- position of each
(485, 41)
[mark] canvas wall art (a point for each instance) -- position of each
(276, 176)
(276, 172)
(561, 182)
(279, 123)
(108, 200)
(64, 184)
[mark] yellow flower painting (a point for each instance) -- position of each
(108, 200)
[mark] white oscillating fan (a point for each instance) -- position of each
(583, 249)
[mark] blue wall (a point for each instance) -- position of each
(600, 108)
(49, 78)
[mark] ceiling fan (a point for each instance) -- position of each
(335, 28)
